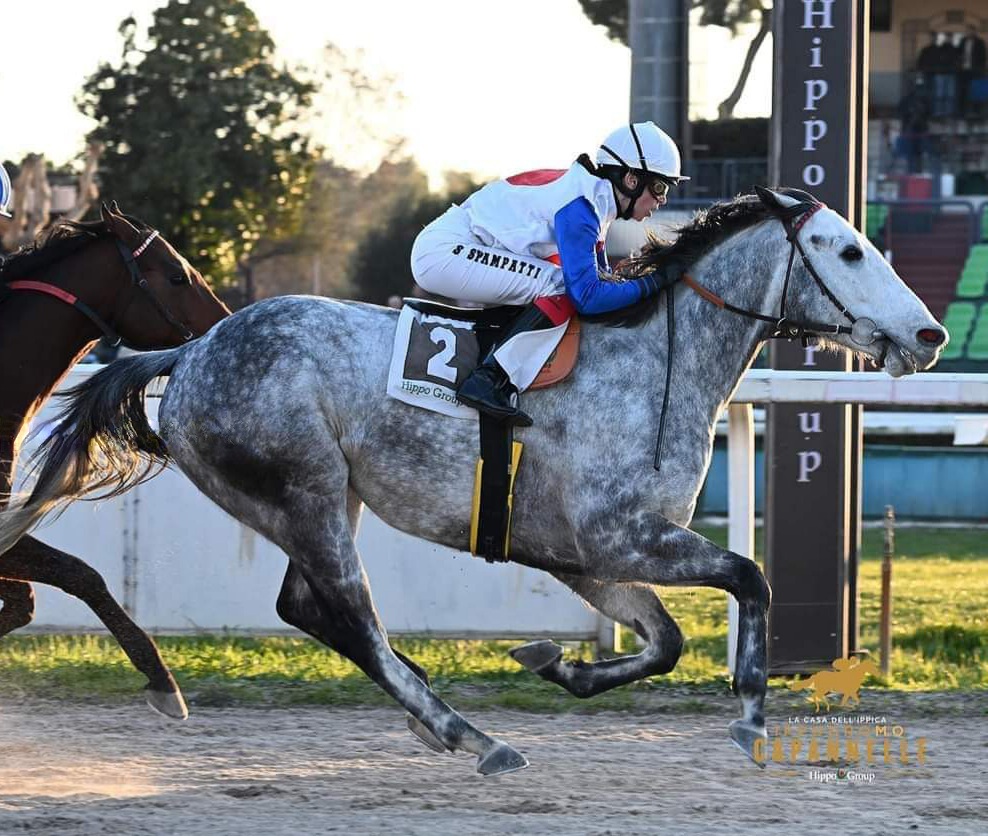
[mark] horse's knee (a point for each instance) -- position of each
(84, 580)
(672, 648)
(667, 650)
(752, 586)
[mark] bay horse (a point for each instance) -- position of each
(79, 281)
(279, 415)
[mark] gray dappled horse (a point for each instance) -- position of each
(279, 414)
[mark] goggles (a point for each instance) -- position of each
(658, 187)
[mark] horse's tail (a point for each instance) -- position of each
(101, 445)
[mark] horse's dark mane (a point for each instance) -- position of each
(52, 244)
(708, 228)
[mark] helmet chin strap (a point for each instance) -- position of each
(631, 194)
(642, 177)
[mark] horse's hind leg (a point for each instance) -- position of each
(298, 605)
(32, 560)
(325, 555)
(633, 605)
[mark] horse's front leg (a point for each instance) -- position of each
(648, 548)
(634, 605)
(32, 560)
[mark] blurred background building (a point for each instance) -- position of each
(927, 185)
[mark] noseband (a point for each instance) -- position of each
(137, 280)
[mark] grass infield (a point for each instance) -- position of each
(940, 642)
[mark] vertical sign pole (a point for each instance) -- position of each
(816, 145)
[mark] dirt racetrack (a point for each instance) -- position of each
(68, 769)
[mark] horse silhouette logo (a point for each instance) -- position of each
(844, 678)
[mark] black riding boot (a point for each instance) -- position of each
(488, 389)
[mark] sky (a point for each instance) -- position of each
(489, 88)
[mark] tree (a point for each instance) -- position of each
(730, 14)
(201, 132)
(353, 114)
(380, 267)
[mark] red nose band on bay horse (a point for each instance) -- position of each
(137, 280)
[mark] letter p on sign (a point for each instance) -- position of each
(809, 461)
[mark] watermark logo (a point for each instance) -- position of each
(844, 678)
(836, 776)
(840, 748)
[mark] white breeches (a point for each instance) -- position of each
(450, 260)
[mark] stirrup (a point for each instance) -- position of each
(492, 385)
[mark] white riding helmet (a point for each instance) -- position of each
(5, 192)
(643, 146)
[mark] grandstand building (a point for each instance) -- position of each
(928, 160)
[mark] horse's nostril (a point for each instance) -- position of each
(932, 336)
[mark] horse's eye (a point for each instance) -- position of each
(179, 279)
(852, 253)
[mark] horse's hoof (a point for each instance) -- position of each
(745, 735)
(169, 703)
(501, 760)
(418, 728)
(537, 655)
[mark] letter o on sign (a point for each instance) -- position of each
(813, 174)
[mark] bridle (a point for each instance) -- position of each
(137, 280)
(862, 331)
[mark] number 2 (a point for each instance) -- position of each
(439, 363)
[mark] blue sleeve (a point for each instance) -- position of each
(577, 230)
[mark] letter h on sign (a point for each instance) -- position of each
(818, 14)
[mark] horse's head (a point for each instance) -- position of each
(881, 317)
(167, 301)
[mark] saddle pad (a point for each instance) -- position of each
(562, 360)
(434, 353)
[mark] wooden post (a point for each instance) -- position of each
(740, 503)
(608, 637)
(885, 626)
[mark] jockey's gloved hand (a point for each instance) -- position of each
(665, 276)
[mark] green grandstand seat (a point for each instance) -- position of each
(958, 320)
(977, 347)
(875, 217)
(972, 283)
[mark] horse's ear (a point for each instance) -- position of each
(776, 201)
(116, 222)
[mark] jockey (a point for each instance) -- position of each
(5, 192)
(537, 240)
